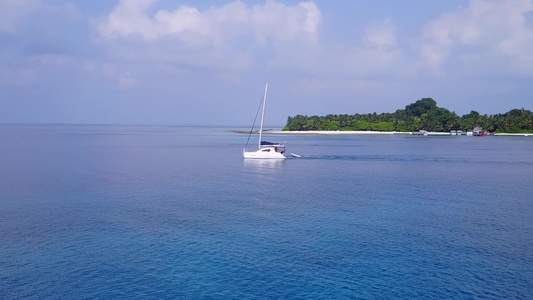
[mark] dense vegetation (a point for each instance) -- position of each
(424, 114)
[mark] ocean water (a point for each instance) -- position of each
(161, 212)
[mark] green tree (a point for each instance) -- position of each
(422, 114)
(332, 125)
(420, 107)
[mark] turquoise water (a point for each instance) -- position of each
(147, 212)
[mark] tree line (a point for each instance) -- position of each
(424, 114)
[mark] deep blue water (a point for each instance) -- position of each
(147, 212)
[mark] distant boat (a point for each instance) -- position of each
(266, 150)
(420, 132)
(478, 131)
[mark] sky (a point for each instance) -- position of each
(205, 62)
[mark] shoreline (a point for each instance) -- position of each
(329, 132)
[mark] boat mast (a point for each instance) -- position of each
(263, 115)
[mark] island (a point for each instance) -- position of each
(420, 116)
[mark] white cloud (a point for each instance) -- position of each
(138, 37)
(496, 31)
(14, 12)
(285, 24)
(126, 81)
(273, 20)
(217, 38)
(348, 68)
(36, 50)
(382, 34)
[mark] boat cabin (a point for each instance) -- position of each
(269, 146)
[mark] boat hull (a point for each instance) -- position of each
(262, 154)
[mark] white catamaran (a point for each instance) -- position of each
(266, 150)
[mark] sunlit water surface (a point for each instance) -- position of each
(147, 212)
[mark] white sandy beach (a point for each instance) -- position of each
(338, 132)
(326, 132)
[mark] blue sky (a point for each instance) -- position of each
(206, 62)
